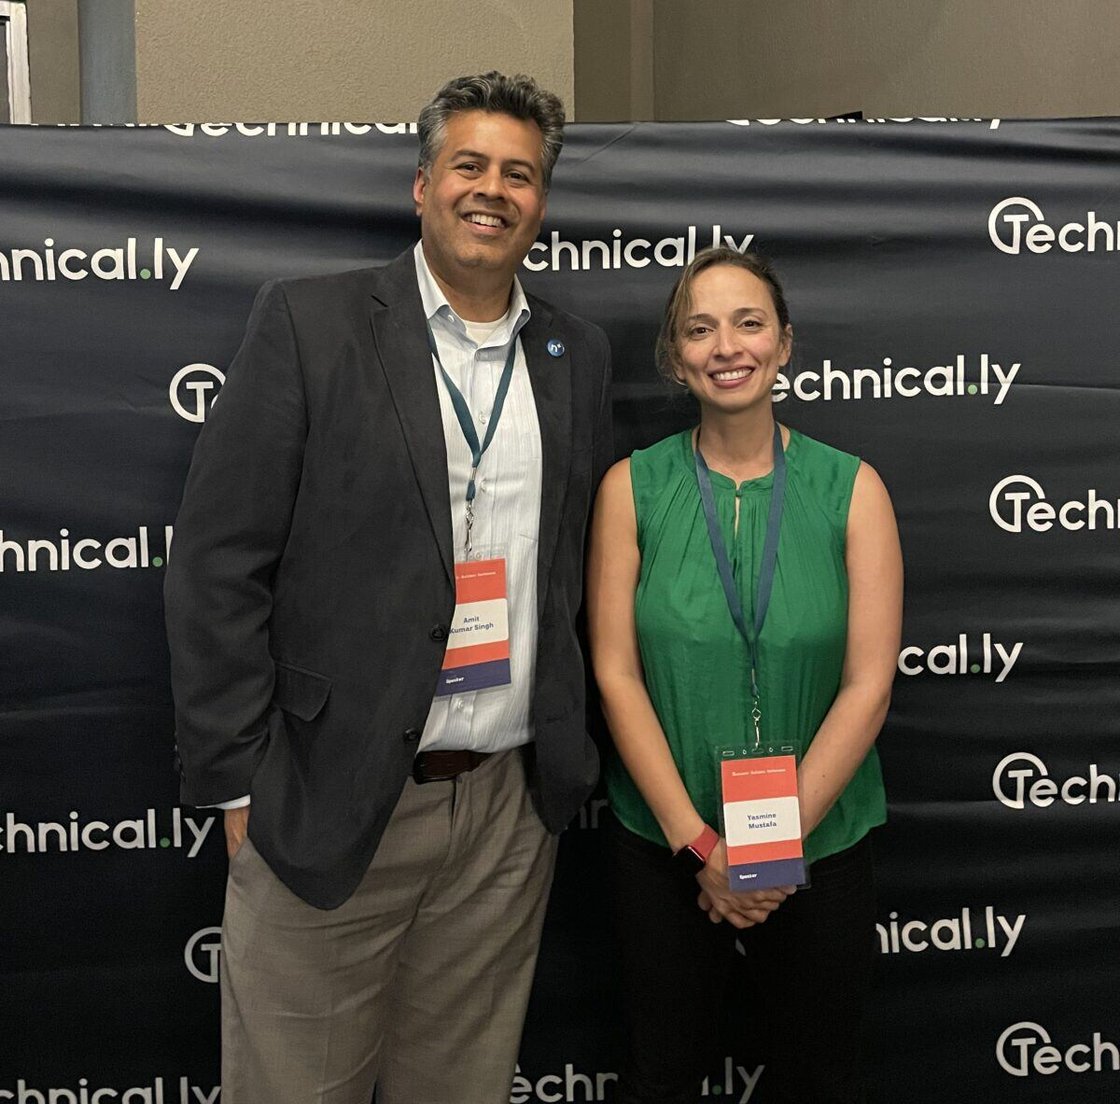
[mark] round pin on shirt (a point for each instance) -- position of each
(555, 347)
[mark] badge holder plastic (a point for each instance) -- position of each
(477, 657)
(760, 815)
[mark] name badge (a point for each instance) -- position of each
(477, 655)
(762, 822)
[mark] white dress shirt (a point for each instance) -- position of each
(507, 506)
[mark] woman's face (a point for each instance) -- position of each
(731, 345)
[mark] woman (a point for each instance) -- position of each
(675, 674)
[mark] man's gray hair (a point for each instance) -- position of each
(519, 96)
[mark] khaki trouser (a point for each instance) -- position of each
(418, 983)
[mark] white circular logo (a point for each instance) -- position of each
(202, 952)
(1031, 1035)
(1019, 777)
(189, 389)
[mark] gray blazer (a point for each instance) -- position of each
(309, 588)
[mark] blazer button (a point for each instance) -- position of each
(438, 633)
(411, 735)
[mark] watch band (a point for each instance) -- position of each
(695, 854)
(705, 843)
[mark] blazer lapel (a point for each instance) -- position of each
(397, 320)
(550, 377)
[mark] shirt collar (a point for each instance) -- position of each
(436, 305)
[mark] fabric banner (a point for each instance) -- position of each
(952, 284)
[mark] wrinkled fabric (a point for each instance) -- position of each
(696, 663)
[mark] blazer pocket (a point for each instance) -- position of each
(299, 692)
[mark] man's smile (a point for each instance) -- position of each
(480, 219)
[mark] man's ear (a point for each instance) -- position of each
(418, 187)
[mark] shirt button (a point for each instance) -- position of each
(438, 632)
(460, 704)
(411, 735)
(483, 485)
(483, 418)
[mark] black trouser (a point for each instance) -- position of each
(801, 999)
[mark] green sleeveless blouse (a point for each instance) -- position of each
(694, 658)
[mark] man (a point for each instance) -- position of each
(371, 612)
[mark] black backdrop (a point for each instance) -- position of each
(953, 285)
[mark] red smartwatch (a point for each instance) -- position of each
(694, 855)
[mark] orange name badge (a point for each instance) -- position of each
(762, 822)
(477, 656)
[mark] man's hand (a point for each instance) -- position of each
(236, 824)
(740, 910)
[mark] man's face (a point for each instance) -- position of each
(482, 201)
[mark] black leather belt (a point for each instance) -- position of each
(442, 766)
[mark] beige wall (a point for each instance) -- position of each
(609, 59)
(335, 60)
(1026, 58)
(715, 59)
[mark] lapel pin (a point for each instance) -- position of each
(555, 347)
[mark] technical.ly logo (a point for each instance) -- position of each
(1021, 779)
(957, 376)
(131, 260)
(560, 254)
(733, 1083)
(1018, 501)
(86, 554)
(1027, 1047)
(161, 1090)
(571, 1085)
(967, 656)
(963, 931)
(193, 390)
(1017, 223)
(285, 130)
(154, 830)
(203, 954)
(992, 124)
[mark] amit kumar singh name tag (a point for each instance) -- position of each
(477, 655)
(762, 822)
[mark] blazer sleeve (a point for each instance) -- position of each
(229, 536)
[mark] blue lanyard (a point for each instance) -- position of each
(769, 560)
(466, 422)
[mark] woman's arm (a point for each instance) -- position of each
(612, 579)
(874, 562)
